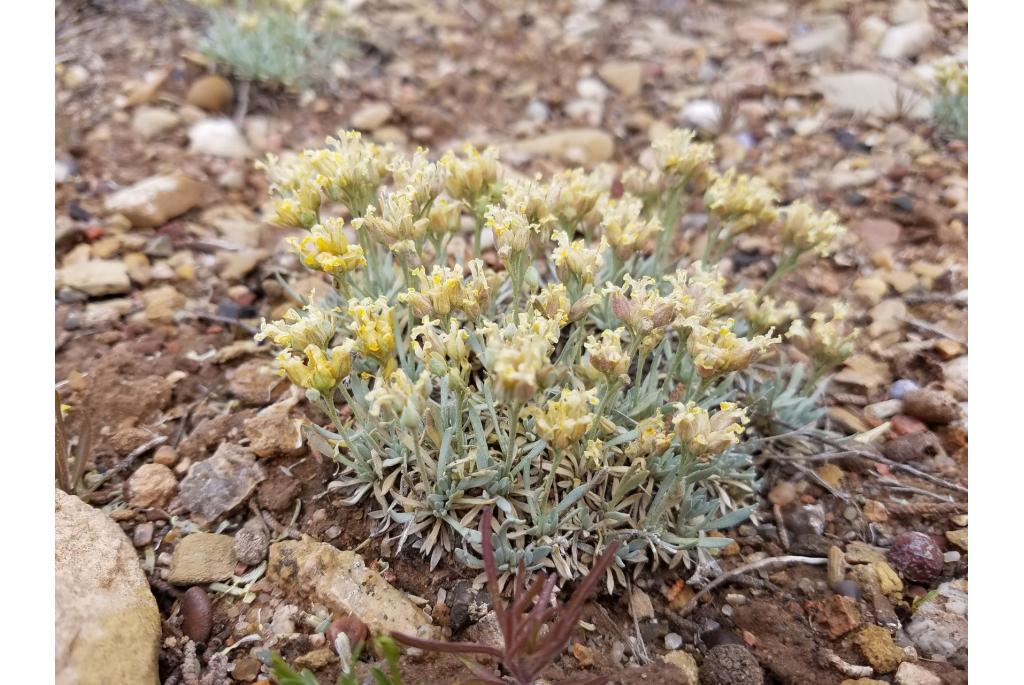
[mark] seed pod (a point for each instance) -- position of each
(917, 557)
(197, 614)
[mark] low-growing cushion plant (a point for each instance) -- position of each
(534, 345)
(283, 43)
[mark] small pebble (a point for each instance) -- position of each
(917, 557)
(143, 534)
(951, 557)
(673, 641)
(900, 388)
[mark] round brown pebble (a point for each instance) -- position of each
(165, 455)
(196, 614)
(917, 557)
(246, 669)
(731, 665)
(212, 93)
(931, 406)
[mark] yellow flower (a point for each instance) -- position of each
(594, 453)
(574, 194)
(721, 351)
(828, 341)
(704, 436)
(471, 175)
(419, 179)
(533, 199)
(553, 302)
(349, 169)
(327, 249)
(511, 230)
(741, 202)
(652, 440)
(478, 288)
(605, 354)
(766, 314)
(320, 371)
(393, 224)
(439, 349)
(443, 217)
(623, 226)
(574, 261)
(564, 421)
(641, 308)
(675, 154)
(374, 327)
(803, 229)
(298, 330)
(699, 296)
(442, 289)
(397, 397)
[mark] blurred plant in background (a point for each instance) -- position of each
(950, 104)
(560, 366)
(290, 44)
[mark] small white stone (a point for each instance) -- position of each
(673, 641)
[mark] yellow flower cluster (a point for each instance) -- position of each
(741, 202)
(570, 356)
(321, 370)
(298, 330)
(606, 356)
(327, 249)
(373, 324)
(717, 352)
(624, 227)
(705, 436)
(828, 341)
(564, 421)
(804, 229)
(472, 175)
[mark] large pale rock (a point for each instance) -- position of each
(235, 223)
(156, 200)
(579, 145)
(939, 626)
(219, 138)
(871, 93)
(149, 122)
(341, 581)
(371, 116)
(218, 485)
(96, 277)
(625, 76)
(828, 34)
(906, 40)
(107, 622)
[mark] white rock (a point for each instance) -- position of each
(828, 34)
(703, 114)
(589, 112)
(538, 110)
(592, 88)
(150, 122)
(371, 116)
(939, 626)
(586, 146)
(219, 138)
(867, 92)
(907, 40)
(905, 11)
(342, 582)
(107, 622)
(912, 674)
(872, 30)
(96, 277)
(63, 170)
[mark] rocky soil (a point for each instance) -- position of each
(164, 267)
